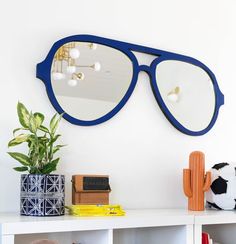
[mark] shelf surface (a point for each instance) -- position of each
(209, 217)
(13, 224)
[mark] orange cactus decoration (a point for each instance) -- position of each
(195, 181)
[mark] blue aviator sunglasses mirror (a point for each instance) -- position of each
(90, 78)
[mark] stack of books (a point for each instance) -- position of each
(206, 239)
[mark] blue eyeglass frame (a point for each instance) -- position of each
(43, 72)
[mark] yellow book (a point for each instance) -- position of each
(96, 210)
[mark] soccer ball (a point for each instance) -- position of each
(222, 193)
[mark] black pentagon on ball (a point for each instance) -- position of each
(219, 166)
(219, 186)
(213, 205)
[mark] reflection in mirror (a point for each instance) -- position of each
(188, 93)
(89, 79)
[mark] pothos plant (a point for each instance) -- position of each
(39, 139)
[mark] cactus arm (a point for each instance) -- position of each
(207, 181)
(187, 182)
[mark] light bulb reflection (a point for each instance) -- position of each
(58, 76)
(72, 82)
(174, 95)
(70, 69)
(97, 66)
(74, 53)
(173, 98)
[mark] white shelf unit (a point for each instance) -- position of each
(221, 225)
(137, 227)
(168, 226)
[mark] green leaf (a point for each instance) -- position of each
(55, 161)
(21, 169)
(54, 123)
(23, 115)
(31, 140)
(54, 139)
(17, 129)
(57, 148)
(32, 123)
(34, 170)
(39, 118)
(23, 159)
(18, 140)
(50, 167)
(44, 129)
(42, 152)
(43, 139)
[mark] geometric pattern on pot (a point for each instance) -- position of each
(42, 195)
(90, 78)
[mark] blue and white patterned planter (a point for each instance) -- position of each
(42, 195)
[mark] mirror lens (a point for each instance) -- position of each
(89, 79)
(188, 93)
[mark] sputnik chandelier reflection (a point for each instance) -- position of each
(174, 95)
(65, 63)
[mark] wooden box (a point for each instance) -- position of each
(90, 189)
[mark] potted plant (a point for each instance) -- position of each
(42, 193)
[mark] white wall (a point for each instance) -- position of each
(139, 149)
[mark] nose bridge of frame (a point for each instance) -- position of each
(145, 68)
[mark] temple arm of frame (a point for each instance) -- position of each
(40, 71)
